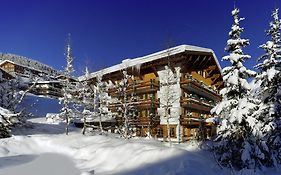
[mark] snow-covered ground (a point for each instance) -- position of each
(43, 148)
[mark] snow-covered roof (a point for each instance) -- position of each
(27, 62)
(137, 62)
(8, 61)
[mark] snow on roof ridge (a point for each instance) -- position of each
(4, 61)
(24, 59)
(151, 57)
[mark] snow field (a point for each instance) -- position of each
(101, 154)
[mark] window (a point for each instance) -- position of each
(172, 132)
(159, 132)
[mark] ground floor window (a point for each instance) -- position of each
(159, 132)
(172, 132)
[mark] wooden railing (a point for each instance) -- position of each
(142, 121)
(195, 121)
(47, 92)
(190, 121)
(196, 99)
(137, 87)
(200, 87)
(144, 103)
(198, 105)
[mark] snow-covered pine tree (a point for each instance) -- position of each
(10, 95)
(11, 112)
(67, 90)
(268, 80)
(7, 120)
(236, 144)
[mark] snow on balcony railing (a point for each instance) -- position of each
(202, 100)
(136, 103)
(137, 85)
(199, 83)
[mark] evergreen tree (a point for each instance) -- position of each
(236, 145)
(268, 80)
(67, 90)
(11, 111)
(9, 100)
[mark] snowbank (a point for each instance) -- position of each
(40, 147)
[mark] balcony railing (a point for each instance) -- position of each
(196, 121)
(140, 104)
(195, 104)
(137, 87)
(192, 84)
(191, 121)
(201, 100)
(141, 121)
(47, 92)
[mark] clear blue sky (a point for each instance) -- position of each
(104, 32)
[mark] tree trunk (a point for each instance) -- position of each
(101, 130)
(125, 116)
(169, 134)
(126, 125)
(84, 125)
(149, 126)
(67, 124)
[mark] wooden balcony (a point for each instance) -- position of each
(140, 104)
(141, 121)
(194, 122)
(54, 92)
(191, 122)
(192, 85)
(141, 87)
(196, 104)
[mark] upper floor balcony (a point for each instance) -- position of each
(137, 87)
(200, 105)
(192, 85)
(141, 121)
(139, 105)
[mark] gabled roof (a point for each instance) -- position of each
(8, 61)
(136, 62)
(27, 62)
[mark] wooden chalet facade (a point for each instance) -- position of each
(4, 76)
(19, 70)
(197, 78)
(50, 87)
(47, 88)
